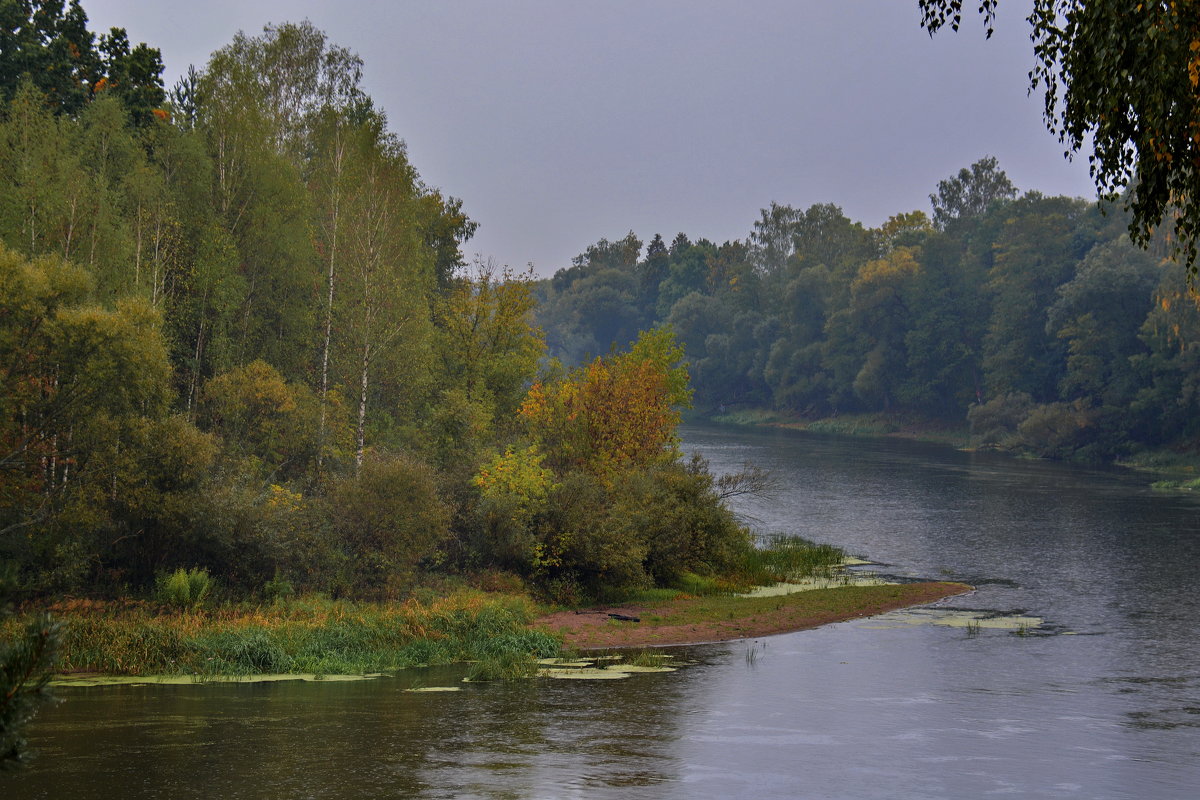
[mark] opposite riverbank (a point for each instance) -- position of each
(1176, 467)
(896, 426)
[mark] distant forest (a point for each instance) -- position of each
(1031, 317)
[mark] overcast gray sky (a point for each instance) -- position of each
(559, 123)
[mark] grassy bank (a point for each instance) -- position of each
(1176, 470)
(309, 635)
(502, 633)
(873, 425)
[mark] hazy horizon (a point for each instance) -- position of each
(560, 124)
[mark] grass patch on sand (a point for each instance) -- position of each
(1186, 485)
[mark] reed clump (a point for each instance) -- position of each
(647, 658)
(503, 666)
(785, 557)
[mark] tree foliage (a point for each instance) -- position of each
(47, 43)
(26, 662)
(172, 395)
(1033, 318)
(614, 413)
(971, 193)
(1120, 78)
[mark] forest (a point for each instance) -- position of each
(238, 338)
(239, 341)
(1031, 319)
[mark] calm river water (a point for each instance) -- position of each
(1101, 701)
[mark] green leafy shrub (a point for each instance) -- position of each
(683, 523)
(1055, 430)
(995, 423)
(27, 657)
(386, 520)
(278, 588)
(183, 588)
(587, 541)
(643, 528)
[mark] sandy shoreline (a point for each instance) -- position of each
(694, 620)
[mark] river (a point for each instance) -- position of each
(1101, 700)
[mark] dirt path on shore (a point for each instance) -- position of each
(691, 620)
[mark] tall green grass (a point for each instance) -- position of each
(309, 635)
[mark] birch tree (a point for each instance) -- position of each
(389, 275)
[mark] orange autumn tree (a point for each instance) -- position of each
(614, 414)
(599, 499)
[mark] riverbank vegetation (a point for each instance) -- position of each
(259, 416)
(242, 358)
(313, 635)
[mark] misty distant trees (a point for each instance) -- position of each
(1003, 306)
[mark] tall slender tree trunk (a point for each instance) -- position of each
(154, 285)
(360, 433)
(335, 206)
(199, 354)
(74, 202)
(137, 250)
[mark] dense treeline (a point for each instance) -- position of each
(237, 334)
(1031, 316)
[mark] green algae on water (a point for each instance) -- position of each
(88, 679)
(584, 673)
(954, 618)
(810, 584)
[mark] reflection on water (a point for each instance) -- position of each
(860, 709)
